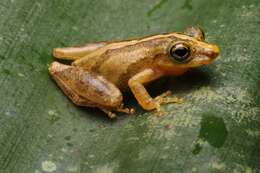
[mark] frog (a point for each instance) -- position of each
(100, 73)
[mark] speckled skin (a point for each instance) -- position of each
(100, 71)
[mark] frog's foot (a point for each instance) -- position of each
(120, 109)
(126, 110)
(159, 111)
(109, 113)
(164, 99)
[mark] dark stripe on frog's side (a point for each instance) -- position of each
(118, 65)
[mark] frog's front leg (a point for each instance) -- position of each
(88, 89)
(136, 84)
(73, 53)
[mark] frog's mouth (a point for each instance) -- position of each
(201, 60)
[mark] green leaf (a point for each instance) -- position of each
(216, 129)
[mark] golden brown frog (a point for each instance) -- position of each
(100, 71)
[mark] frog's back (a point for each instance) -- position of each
(119, 65)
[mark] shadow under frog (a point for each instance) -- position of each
(195, 78)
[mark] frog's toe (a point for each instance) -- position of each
(172, 100)
(165, 98)
(109, 113)
(125, 110)
(159, 111)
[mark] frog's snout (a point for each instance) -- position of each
(214, 51)
(211, 51)
(208, 50)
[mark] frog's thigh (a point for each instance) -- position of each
(73, 53)
(85, 88)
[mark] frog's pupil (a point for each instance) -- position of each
(181, 51)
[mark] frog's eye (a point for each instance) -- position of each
(180, 52)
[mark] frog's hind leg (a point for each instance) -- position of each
(73, 53)
(88, 89)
